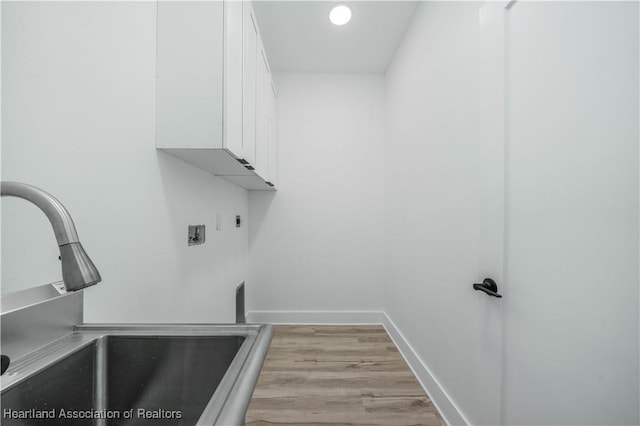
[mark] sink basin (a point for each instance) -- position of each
(136, 375)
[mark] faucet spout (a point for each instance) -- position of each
(78, 271)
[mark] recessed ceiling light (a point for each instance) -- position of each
(340, 14)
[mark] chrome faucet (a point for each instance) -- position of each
(78, 271)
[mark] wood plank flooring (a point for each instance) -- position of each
(337, 375)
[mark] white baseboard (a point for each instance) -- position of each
(445, 405)
(316, 317)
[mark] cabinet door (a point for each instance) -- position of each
(263, 102)
(249, 84)
(189, 75)
(272, 166)
(233, 77)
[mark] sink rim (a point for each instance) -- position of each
(229, 401)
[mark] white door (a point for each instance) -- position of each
(569, 114)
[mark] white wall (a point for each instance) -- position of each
(78, 107)
(432, 200)
(317, 244)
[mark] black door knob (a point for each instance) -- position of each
(488, 286)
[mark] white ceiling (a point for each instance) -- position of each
(298, 36)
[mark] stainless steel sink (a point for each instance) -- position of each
(137, 375)
(66, 374)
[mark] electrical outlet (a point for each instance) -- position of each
(238, 221)
(196, 235)
(218, 222)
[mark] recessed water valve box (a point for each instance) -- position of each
(196, 235)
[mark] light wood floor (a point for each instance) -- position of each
(337, 375)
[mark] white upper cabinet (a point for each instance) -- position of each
(211, 98)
